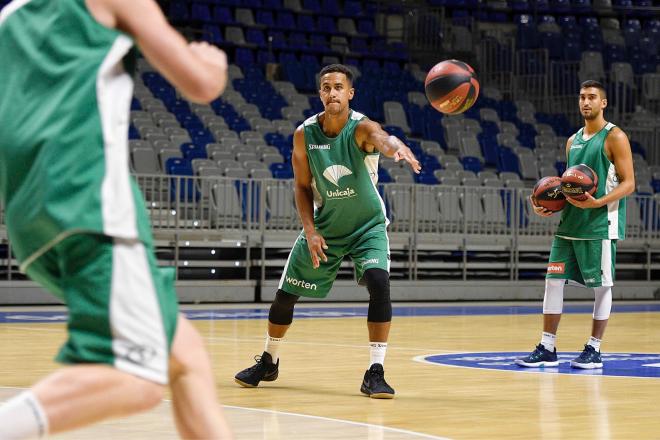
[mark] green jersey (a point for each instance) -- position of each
(606, 222)
(344, 177)
(66, 94)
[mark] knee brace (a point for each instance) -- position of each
(553, 300)
(281, 311)
(602, 303)
(378, 285)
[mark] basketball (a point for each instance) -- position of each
(579, 180)
(547, 193)
(451, 87)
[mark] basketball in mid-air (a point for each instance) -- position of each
(547, 193)
(579, 180)
(451, 87)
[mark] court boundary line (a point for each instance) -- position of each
(308, 416)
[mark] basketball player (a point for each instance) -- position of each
(77, 221)
(584, 247)
(335, 163)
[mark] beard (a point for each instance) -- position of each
(593, 114)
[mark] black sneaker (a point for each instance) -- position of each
(264, 370)
(374, 384)
(540, 357)
(588, 359)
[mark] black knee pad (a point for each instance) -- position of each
(378, 285)
(281, 311)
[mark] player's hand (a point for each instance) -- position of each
(539, 210)
(404, 153)
(316, 245)
(209, 54)
(588, 203)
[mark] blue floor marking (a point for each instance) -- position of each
(348, 312)
(614, 364)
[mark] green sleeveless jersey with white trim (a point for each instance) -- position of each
(606, 222)
(65, 93)
(344, 178)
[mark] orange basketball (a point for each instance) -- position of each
(451, 87)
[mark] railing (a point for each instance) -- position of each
(259, 216)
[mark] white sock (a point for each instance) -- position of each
(272, 347)
(377, 353)
(23, 417)
(595, 343)
(548, 341)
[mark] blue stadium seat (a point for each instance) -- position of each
(212, 34)
(272, 4)
(178, 11)
(200, 12)
(281, 170)
(312, 6)
(256, 37)
(285, 20)
(222, 15)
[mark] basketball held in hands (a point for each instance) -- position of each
(548, 194)
(579, 180)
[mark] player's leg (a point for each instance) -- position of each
(95, 276)
(562, 266)
(371, 259)
(299, 278)
(267, 364)
(596, 259)
(379, 315)
(197, 412)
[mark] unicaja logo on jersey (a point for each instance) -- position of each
(300, 283)
(334, 173)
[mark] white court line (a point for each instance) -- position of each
(348, 422)
(307, 416)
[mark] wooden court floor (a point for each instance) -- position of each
(325, 355)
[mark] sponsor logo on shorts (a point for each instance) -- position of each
(371, 261)
(300, 283)
(556, 268)
(590, 280)
(140, 354)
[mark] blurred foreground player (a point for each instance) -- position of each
(77, 221)
(335, 164)
(584, 248)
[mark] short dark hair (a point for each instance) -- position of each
(339, 68)
(596, 84)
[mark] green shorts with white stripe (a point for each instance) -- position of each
(588, 263)
(122, 307)
(368, 250)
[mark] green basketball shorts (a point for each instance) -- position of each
(122, 307)
(588, 263)
(368, 251)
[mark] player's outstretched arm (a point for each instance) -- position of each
(305, 198)
(198, 70)
(371, 137)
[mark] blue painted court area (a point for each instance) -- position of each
(614, 364)
(348, 311)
